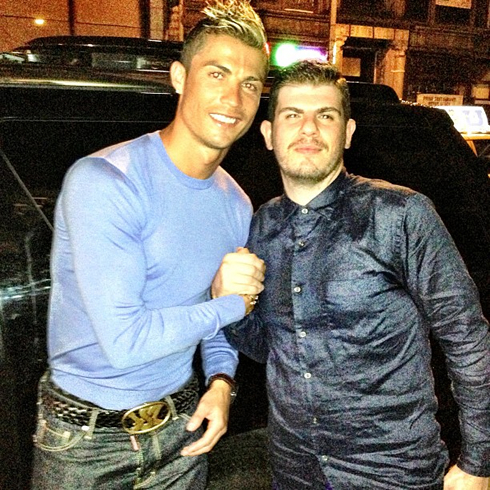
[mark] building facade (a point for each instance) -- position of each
(418, 47)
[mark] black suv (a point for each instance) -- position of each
(50, 116)
(98, 52)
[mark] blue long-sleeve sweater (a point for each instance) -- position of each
(136, 246)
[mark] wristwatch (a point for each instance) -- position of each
(254, 298)
(227, 379)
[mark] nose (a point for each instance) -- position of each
(309, 124)
(232, 95)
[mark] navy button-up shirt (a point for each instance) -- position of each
(355, 281)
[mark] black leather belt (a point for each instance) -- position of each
(143, 418)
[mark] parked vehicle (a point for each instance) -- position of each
(100, 52)
(50, 116)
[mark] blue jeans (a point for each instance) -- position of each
(68, 457)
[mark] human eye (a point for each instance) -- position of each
(251, 86)
(326, 116)
(217, 75)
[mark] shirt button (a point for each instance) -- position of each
(297, 289)
(315, 420)
(301, 243)
(307, 375)
(304, 210)
(324, 457)
(302, 334)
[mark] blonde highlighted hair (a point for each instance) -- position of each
(235, 18)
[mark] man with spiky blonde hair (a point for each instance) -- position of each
(146, 267)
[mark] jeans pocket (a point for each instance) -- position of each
(54, 435)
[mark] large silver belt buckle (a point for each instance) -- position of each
(145, 418)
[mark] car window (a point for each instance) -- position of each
(25, 242)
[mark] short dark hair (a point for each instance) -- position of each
(235, 18)
(309, 72)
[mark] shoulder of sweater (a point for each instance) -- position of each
(231, 187)
(121, 155)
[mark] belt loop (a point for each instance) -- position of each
(40, 387)
(45, 376)
(171, 405)
(91, 424)
(42, 382)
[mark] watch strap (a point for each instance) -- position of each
(227, 379)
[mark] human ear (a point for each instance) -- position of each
(266, 130)
(349, 131)
(177, 76)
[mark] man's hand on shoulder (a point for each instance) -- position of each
(214, 406)
(457, 479)
(241, 273)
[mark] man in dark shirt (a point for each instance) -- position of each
(359, 272)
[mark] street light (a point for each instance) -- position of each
(283, 54)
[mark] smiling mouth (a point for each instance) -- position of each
(224, 119)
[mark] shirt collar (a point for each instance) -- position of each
(321, 203)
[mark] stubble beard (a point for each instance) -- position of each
(308, 171)
(308, 174)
